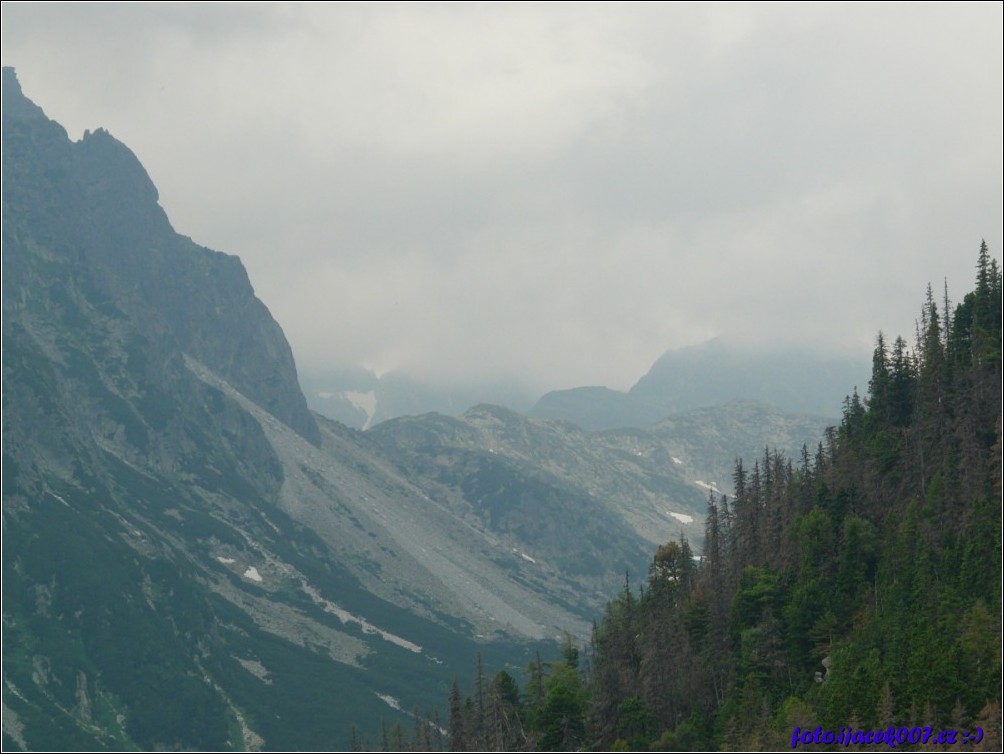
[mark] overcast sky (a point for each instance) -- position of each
(560, 192)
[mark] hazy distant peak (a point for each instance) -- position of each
(493, 412)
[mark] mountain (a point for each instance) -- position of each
(598, 408)
(193, 560)
(190, 559)
(609, 490)
(709, 440)
(156, 594)
(112, 239)
(712, 372)
(796, 381)
(359, 398)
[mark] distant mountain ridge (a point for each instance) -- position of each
(359, 398)
(606, 483)
(793, 380)
(709, 440)
(707, 374)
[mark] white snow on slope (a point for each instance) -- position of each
(365, 402)
(346, 617)
(389, 700)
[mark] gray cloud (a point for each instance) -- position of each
(555, 193)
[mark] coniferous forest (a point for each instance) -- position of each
(856, 588)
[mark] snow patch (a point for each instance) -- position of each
(683, 518)
(708, 486)
(389, 700)
(255, 668)
(252, 573)
(365, 402)
(59, 498)
(396, 704)
(523, 555)
(676, 460)
(225, 561)
(346, 617)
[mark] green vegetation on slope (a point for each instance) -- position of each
(858, 585)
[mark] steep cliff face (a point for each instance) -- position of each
(139, 501)
(84, 237)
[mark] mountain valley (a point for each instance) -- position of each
(194, 560)
(195, 557)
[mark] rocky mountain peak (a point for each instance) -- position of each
(91, 207)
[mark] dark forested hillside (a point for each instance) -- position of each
(856, 587)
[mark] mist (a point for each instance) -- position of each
(546, 194)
